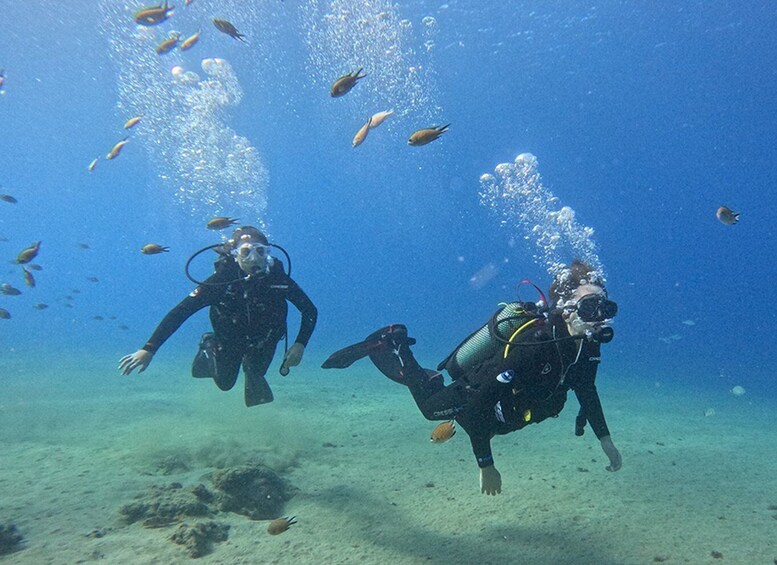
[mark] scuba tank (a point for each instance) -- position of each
(497, 334)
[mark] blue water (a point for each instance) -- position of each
(644, 118)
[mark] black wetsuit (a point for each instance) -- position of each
(484, 406)
(248, 318)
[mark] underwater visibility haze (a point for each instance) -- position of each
(637, 137)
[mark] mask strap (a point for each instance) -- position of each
(538, 289)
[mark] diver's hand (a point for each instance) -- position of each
(616, 461)
(292, 358)
(141, 358)
(490, 480)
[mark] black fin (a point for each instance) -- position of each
(348, 355)
(372, 344)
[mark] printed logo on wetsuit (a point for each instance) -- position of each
(546, 369)
(195, 292)
(597, 359)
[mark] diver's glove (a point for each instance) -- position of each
(141, 358)
(490, 480)
(292, 358)
(616, 461)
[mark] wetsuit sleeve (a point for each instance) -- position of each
(590, 405)
(307, 310)
(202, 296)
(481, 447)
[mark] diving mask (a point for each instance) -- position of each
(593, 308)
(252, 257)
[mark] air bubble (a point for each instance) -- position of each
(527, 209)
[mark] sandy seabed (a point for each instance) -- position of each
(74, 448)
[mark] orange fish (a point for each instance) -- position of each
(426, 135)
(361, 135)
(29, 280)
(189, 42)
(168, 44)
(116, 149)
(153, 249)
(153, 15)
(131, 122)
(280, 525)
(28, 254)
(378, 118)
(345, 83)
(443, 432)
(221, 222)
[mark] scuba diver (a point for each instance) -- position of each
(247, 296)
(512, 372)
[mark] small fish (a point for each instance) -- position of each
(8, 198)
(93, 279)
(123, 327)
(379, 118)
(221, 222)
(189, 42)
(93, 164)
(345, 83)
(4, 314)
(167, 45)
(132, 122)
(426, 135)
(361, 135)
(29, 280)
(34, 267)
(727, 216)
(28, 254)
(75, 291)
(443, 432)
(40, 306)
(153, 249)
(153, 15)
(280, 525)
(116, 149)
(8, 290)
(227, 27)
(83, 245)
(98, 318)
(111, 317)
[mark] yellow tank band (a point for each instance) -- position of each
(515, 334)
